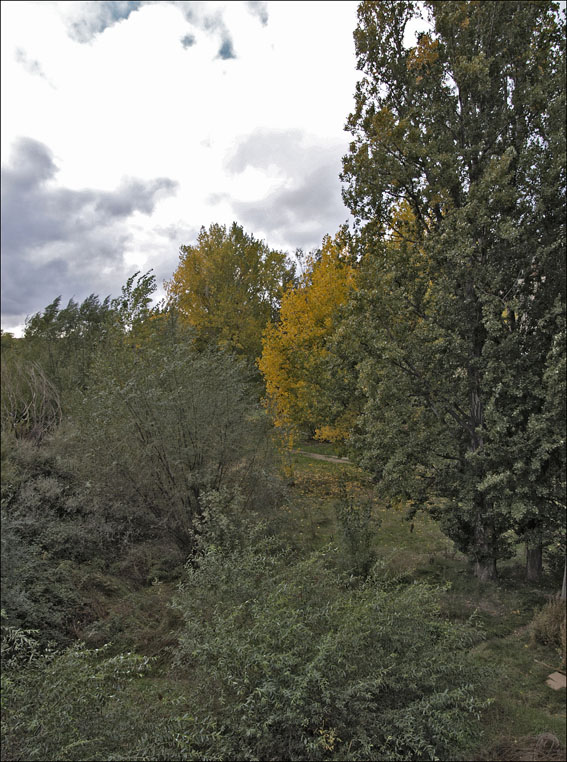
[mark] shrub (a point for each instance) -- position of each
(357, 531)
(30, 407)
(288, 661)
(72, 705)
(51, 526)
(163, 425)
(548, 626)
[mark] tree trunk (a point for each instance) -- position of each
(485, 569)
(484, 551)
(534, 561)
(564, 587)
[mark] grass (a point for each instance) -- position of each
(320, 448)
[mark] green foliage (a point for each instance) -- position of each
(64, 341)
(455, 177)
(67, 706)
(228, 287)
(17, 646)
(132, 307)
(357, 530)
(287, 661)
(164, 424)
(51, 525)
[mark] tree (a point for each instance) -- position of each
(227, 288)
(457, 309)
(65, 340)
(164, 426)
(295, 359)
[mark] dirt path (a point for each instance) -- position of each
(328, 458)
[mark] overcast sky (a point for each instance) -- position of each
(126, 126)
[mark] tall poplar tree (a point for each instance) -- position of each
(456, 177)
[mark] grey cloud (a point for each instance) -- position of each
(180, 234)
(217, 198)
(226, 50)
(310, 203)
(33, 162)
(94, 17)
(188, 40)
(260, 9)
(134, 195)
(267, 147)
(61, 241)
(32, 66)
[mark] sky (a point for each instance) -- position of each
(126, 126)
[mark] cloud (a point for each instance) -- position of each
(259, 9)
(307, 204)
(188, 40)
(226, 49)
(86, 20)
(266, 148)
(61, 241)
(32, 66)
(91, 18)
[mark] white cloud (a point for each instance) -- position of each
(120, 95)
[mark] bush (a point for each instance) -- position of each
(163, 425)
(72, 705)
(288, 661)
(357, 531)
(548, 626)
(51, 526)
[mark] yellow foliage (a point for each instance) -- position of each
(294, 349)
(424, 54)
(227, 287)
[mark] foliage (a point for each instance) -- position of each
(295, 360)
(456, 178)
(357, 527)
(299, 665)
(17, 646)
(164, 424)
(51, 525)
(64, 341)
(227, 287)
(67, 706)
(132, 308)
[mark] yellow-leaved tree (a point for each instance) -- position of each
(295, 357)
(228, 287)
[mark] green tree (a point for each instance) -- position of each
(163, 426)
(64, 340)
(460, 295)
(228, 287)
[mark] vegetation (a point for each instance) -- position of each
(228, 287)
(295, 361)
(450, 175)
(178, 583)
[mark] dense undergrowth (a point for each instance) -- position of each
(325, 627)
